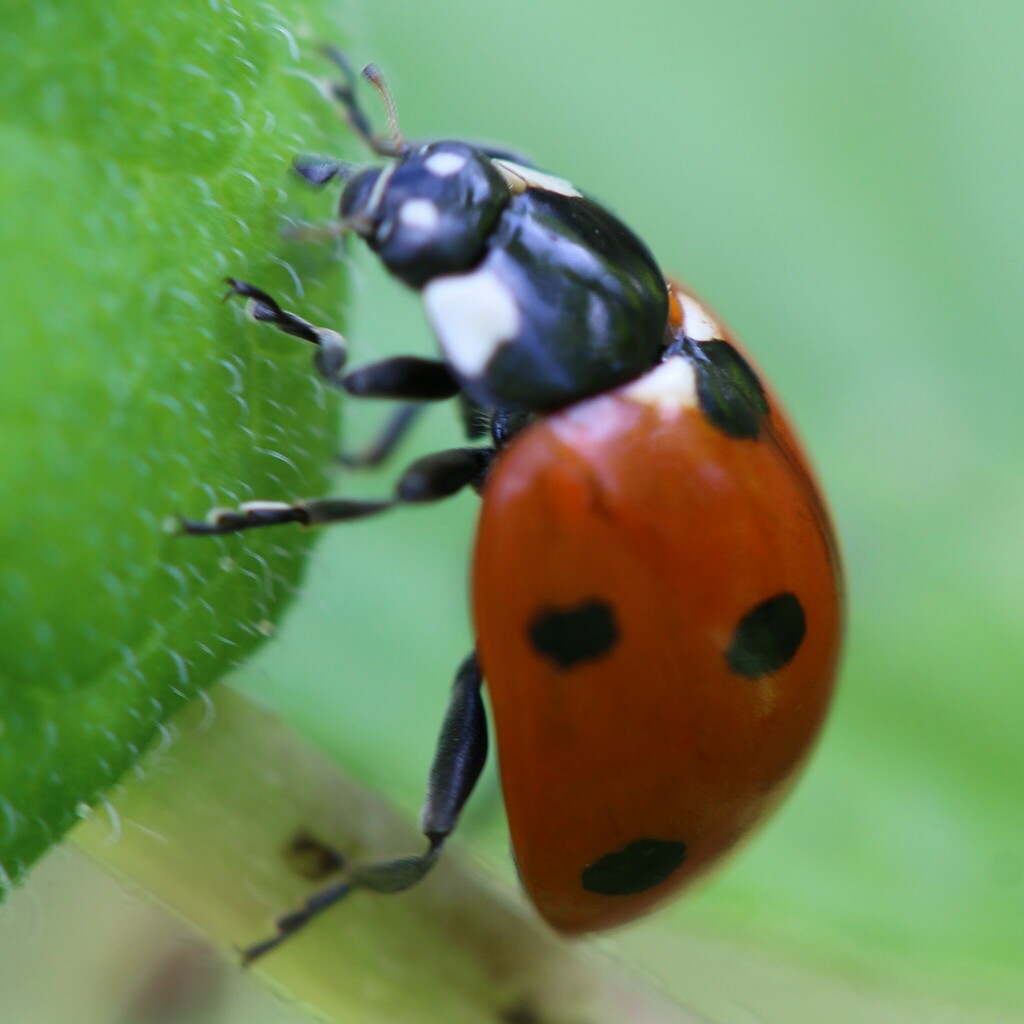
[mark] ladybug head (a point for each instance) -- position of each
(430, 212)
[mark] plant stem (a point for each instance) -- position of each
(202, 828)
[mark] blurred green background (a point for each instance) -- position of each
(842, 182)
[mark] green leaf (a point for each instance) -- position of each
(146, 157)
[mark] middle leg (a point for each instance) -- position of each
(430, 478)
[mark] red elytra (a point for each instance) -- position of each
(704, 578)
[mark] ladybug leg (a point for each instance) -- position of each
(408, 378)
(319, 170)
(253, 515)
(332, 349)
(411, 378)
(443, 474)
(381, 447)
(430, 478)
(461, 753)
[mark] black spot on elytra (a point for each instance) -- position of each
(570, 636)
(767, 637)
(730, 393)
(637, 867)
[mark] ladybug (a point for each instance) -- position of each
(656, 588)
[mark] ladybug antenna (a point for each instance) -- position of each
(344, 93)
(373, 75)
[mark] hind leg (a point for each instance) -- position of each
(459, 758)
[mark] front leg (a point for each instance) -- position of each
(332, 349)
(409, 378)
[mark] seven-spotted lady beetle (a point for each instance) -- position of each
(656, 588)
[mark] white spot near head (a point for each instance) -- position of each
(473, 315)
(698, 324)
(421, 214)
(520, 178)
(443, 164)
(670, 387)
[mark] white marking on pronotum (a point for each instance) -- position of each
(698, 323)
(520, 178)
(670, 387)
(420, 214)
(473, 315)
(443, 164)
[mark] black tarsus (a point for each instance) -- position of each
(332, 349)
(320, 170)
